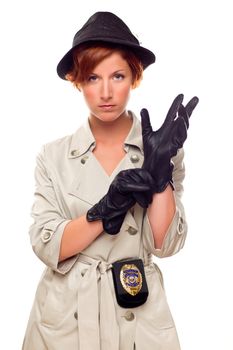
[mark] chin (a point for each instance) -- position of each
(107, 117)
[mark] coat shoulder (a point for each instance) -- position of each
(58, 145)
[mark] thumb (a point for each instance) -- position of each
(145, 121)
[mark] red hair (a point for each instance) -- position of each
(86, 58)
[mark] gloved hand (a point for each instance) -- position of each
(161, 145)
(128, 187)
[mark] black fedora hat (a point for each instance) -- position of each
(105, 27)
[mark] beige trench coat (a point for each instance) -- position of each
(75, 305)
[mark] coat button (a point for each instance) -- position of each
(134, 158)
(76, 315)
(129, 316)
(83, 272)
(83, 160)
(75, 152)
(131, 230)
(181, 225)
(46, 236)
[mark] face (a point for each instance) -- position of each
(107, 88)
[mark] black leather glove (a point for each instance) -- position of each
(161, 145)
(128, 187)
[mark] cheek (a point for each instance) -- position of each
(89, 95)
(124, 93)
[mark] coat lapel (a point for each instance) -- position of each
(92, 182)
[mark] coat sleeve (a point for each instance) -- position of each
(177, 231)
(49, 220)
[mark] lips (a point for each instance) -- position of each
(107, 107)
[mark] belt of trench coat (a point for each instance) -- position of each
(91, 329)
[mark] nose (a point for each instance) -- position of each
(106, 90)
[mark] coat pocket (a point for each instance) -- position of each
(155, 325)
(60, 298)
(157, 311)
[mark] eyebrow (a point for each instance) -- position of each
(118, 71)
(115, 72)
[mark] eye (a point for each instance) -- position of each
(92, 78)
(118, 76)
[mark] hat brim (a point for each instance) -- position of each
(145, 56)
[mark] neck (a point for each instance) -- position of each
(111, 132)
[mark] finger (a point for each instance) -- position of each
(171, 114)
(133, 187)
(145, 121)
(143, 199)
(184, 114)
(180, 134)
(113, 225)
(191, 105)
(138, 177)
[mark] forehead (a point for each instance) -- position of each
(113, 62)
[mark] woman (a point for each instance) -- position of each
(107, 199)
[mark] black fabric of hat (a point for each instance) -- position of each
(105, 27)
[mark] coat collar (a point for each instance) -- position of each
(82, 140)
(134, 137)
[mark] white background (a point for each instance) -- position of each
(193, 44)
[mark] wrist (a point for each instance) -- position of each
(164, 178)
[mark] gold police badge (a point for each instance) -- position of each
(131, 279)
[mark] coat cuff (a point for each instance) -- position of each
(174, 239)
(48, 249)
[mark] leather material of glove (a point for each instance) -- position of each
(161, 145)
(128, 187)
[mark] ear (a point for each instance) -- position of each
(78, 86)
(136, 83)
